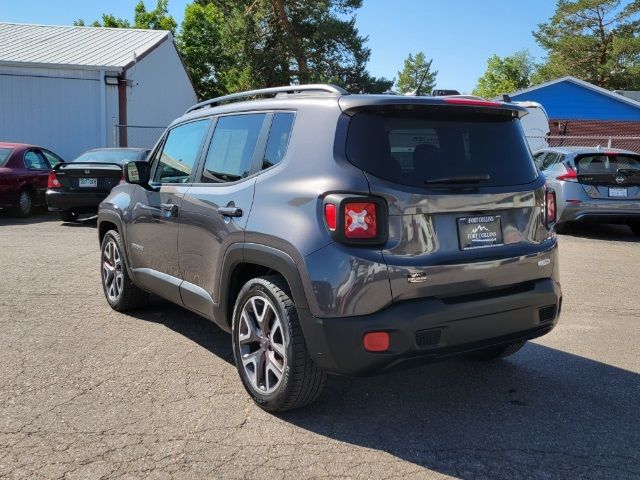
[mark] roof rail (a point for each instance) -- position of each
(269, 91)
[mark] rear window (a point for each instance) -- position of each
(4, 155)
(602, 163)
(412, 148)
(108, 156)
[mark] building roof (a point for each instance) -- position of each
(89, 48)
(582, 83)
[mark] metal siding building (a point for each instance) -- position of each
(583, 114)
(66, 88)
(569, 98)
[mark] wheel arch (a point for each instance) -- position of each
(109, 221)
(245, 261)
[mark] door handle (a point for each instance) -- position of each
(170, 208)
(230, 211)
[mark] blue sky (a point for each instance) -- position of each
(458, 34)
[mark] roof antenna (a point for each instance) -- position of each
(424, 76)
(506, 98)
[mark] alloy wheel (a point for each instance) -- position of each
(112, 276)
(261, 344)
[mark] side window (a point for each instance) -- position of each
(179, 152)
(232, 146)
(52, 158)
(278, 139)
(538, 158)
(550, 160)
(35, 161)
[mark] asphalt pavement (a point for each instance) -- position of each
(86, 392)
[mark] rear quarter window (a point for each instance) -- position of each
(5, 153)
(412, 148)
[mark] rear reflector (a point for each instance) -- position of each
(570, 176)
(52, 181)
(376, 341)
(330, 216)
(547, 314)
(551, 208)
(428, 338)
(472, 102)
(360, 220)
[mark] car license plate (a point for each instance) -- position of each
(88, 182)
(617, 192)
(479, 232)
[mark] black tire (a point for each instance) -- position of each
(128, 295)
(24, 204)
(497, 353)
(635, 228)
(301, 381)
(68, 216)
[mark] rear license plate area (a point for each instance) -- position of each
(479, 232)
(617, 192)
(88, 182)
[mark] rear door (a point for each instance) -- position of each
(37, 172)
(152, 230)
(464, 197)
(216, 207)
(612, 176)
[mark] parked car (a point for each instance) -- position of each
(24, 170)
(338, 233)
(593, 184)
(78, 186)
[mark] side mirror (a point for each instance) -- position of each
(137, 173)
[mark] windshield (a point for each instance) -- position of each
(607, 163)
(418, 148)
(108, 156)
(4, 155)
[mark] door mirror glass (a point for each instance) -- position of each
(137, 173)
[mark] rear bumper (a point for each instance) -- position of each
(429, 329)
(77, 201)
(603, 212)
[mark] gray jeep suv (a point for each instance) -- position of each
(339, 233)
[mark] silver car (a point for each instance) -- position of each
(593, 184)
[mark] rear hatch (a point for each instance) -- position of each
(609, 175)
(466, 203)
(89, 177)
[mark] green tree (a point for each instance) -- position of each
(595, 40)
(205, 55)
(156, 19)
(108, 20)
(416, 75)
(505, 75)
(279, 42)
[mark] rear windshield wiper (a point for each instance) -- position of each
(461, 180)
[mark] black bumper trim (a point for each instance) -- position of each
(68, 200)
(335, 344)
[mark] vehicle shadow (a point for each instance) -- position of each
(542, 413)
(188, 324)
(600, 231)
(39, 215)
